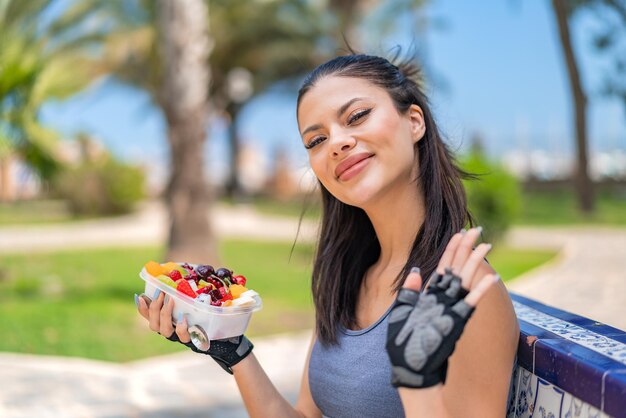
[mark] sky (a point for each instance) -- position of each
(497, 68)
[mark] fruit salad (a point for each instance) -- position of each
(215, 287)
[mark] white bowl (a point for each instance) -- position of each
(205, 322)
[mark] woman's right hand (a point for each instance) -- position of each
(158, 312)
(159, 315)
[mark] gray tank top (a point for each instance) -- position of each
(353, 379)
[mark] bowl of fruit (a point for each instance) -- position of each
(216, 302)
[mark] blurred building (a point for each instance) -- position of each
(17, 180)
(546, 166)
(282, 185)
(253, 168)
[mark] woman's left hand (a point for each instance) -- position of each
(424, 327)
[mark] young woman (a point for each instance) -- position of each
(384, 343)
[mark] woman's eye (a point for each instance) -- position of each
(358, 115)
(314, 142)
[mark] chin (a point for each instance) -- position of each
(360, 197)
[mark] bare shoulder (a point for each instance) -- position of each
(481, 366)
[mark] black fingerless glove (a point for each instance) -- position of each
(226, 352)
(423, 330)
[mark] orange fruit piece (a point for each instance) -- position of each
(154, 269)
(168, 267)
(236, 290)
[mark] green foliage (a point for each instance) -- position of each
(43, 56)
(494, 197)
(511, 263)
(539, 208)
(103, 187)
(274, 40)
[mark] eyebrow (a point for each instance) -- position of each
(340, 112)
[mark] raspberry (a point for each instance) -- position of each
(205, 290)
(215, 294)
(175, 275)
(192, 276)
(223, 281)
(215, 282)
(223, 292)
(240, 280)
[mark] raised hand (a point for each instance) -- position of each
(424, 327)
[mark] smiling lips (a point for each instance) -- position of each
(352, 165)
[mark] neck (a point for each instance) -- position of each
(396, 225)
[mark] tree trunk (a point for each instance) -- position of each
(7, 188)
(183, 96)
(584, 186)
(232, 187)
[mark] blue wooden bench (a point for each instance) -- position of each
(567, 366)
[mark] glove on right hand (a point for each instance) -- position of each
(423, 330)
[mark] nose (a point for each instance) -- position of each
(341, 143)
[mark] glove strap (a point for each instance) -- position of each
(226, 352)
(229, 352)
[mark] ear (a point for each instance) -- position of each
(416, 119)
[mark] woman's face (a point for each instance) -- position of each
(359, 146)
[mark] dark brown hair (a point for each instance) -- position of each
(348, 245)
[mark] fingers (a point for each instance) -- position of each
(165, 321)
(181, 330)
(155, 312)
(142, 306)
(448, 254)
(413, 280)
(464, 249)
(468, 270)
(481, 288)
(159, 316)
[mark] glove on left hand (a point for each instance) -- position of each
(423, 330)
